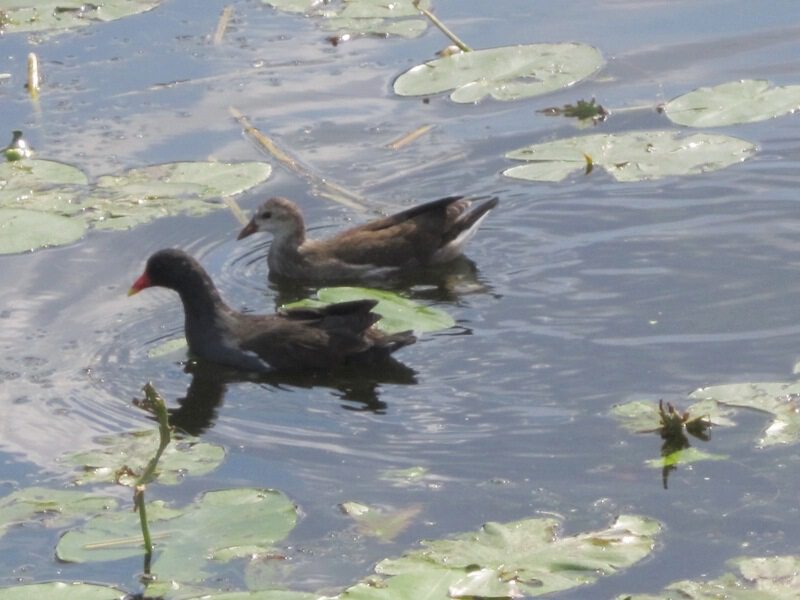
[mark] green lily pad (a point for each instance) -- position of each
(54, 508)
(55, 190)
(506, 73)
(24, 230)
(360, 17)
(780, 400)
(734, 102)
(182, 457)
(58, 590)
(634, 156)
(407, 28)
(521, 558)
(767, 578)
(140, 195)
(384, 524)
(259, 595)
(66, 14)
(397, 313)
(219, 526)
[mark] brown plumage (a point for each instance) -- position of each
(293, 339)
(427, 234)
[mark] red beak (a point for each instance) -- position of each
(248, 229)
(140, 284)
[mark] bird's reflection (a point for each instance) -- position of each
(440, 283)
(360, 387)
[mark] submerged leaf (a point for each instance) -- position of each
(732, 103)
(384, 524)
(634, 156)
(506, 73)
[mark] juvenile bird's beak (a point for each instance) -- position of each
(140, 284)
(248, 229)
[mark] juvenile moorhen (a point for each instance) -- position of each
(427, 234)
(290, 340)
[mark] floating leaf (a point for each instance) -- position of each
(780, 400)
(187, 539)
(397, 313)
(407, 28)
(66, 14)
(55, 508)
(359, 17)
(732, 103)
(506, 73)
(117, 201)
(61, 591)
(182, 457)
(768, 578)
(140, 195)
(511, 560)
(634, 156)
(23, 230)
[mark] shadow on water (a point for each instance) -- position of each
(359, 387)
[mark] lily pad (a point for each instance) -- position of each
(140, 195)
(54, 508)
(506, 73)
(767, 578)
(55, 190)
(634, 156)
(780, 400)
(66, 14)
(521, 558)
(58, 590)
(24, 230)
(360, 17)
(181, 458)
(219, 526)
(734, 102)
(398, 313)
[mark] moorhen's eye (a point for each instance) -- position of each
(266, 214)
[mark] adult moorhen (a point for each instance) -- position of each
(427, 234)
(291, 340)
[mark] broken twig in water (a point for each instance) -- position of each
(408, 138)
(222, 25)
(231, 203)
(325, 188)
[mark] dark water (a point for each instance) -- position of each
(588, 292)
